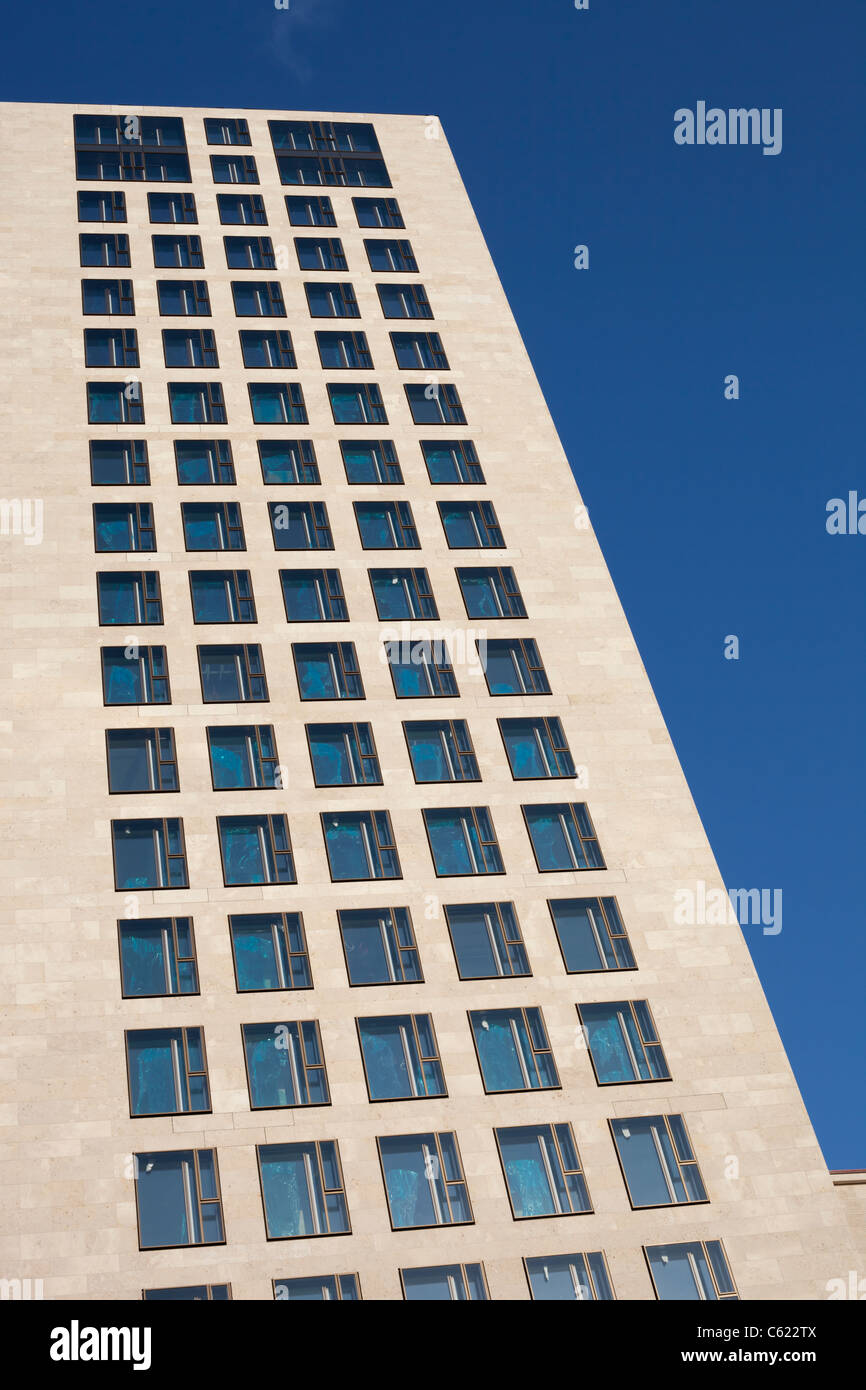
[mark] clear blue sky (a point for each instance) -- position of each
(703, 262)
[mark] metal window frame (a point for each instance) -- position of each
(118, 241)
(397, 250)
(316, 526)
(463, 1276)
(303, 1066)
(262, 246)
(681, 1163)
(393, 951)
(569, 811)
(511, 939)
(412, 295)
(267, 825)
(731, 1297)
(535, 1052)
(238, 582)
(194, 252)
(111, 288)
(186, 207)
(385, 456)
(489, 850)
(564, 1172)
(562, 766)
(181, 1082)
(136, 460)
(291, 398)
(437, 358)
(140, 528)
(503, 585)
(359, 345)
(392, 210)
(329, 591)
(231, 125)
(316, 1146)
(416, 586)
(401, 524)
(620, 1004)
(326, 213)
(207, 347)
(438, 671)
(462, 761)
(468, 468)
(194, 1196)
(208, 1287)
(114, 202)
(148, 596)
(316, 1278)
(170, 933)
(343, 659)
(378, 839)
(302, 450)
(528, 663)
(248, 674)
(150, 677)
(437, 1136)
(367, 762)
(584, 1256)
(239, 169)
(265, 763)
(221, 461)
(157, 822)
(277, 342)
(279, 924)
(159, 735)
(608, 911)
(434, 1057)
(328, 249)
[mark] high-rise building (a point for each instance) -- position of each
(360, 935)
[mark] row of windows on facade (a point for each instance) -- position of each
(239, 209)
(245, 252)
(150, 853)
(261, 349)
(257, 299)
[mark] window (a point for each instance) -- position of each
(288, 461)
(141, 760)
(696, 1269)
(243, 756)
(444, 1283)
(591, 934)
(101, 207)
(222, 596)
(255, 849)
(491, 593)
(512, 666)
(232, 674)
(451, 461)
(657, 1161)
(320, 253)
(270, 951)
(325, 1288)
(129, 598)
(198, 1293)
(404, 302)
(543, 1171)
(390, 255)
(258, 299)
(462, 841)
(226, 130)
(327, 671)
(157, 957)
(623, 1042)
(114, 403)
(343, 755)
(234, 168)
(285, 1064)
(261, 348)
(415, 351)
(360, 844)
(183, 298)
(149, 854)
(377, 212)
(178, 252)
(379, 946)
(373, 461)
(357, 404)
(244, 208)
(196, 403)
(344, 349)
(177, 1196)
(536, 748)
(323, 135)
(580, 1277)
(135, 675)
(386, 526)
(123, 526)
(402, 594)
(107, 297)
(468, 525)
(110, 347)
(132, 165)
(303, 1191)
(486, 940)
(562, 837)
(172, 207)
(401, 1057)
(359, 173)
(300, 526)
(119, 461)
(155, 131)
(424, 1181)
(421, 669)
(332, 301)
(249, 253)
(212, 526)
(189, 347)
(277, 404)
(305, 210)
(313, 596)
(167, 1071)
(204, 462)
(441, 751)
(513, 1050)
(104, 248)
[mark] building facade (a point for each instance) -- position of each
(344, 833)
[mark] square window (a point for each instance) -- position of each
(327, 671)
(232, 674)
(370, 461)
(129, 598)
(270, 951)
(135, 675)
(360, 845)
(343, 755)
(440, 750)
(300, 526)
(543, 1172)
(591, 934)
(386, 526)
(401, 1057)
(379, 946)
(178, 1199)
(513, 666)
(149, 854)
(285, 1064)
(490, 592)
(487, 941)
(222, 596)
(562, 837)
(402, 593)
(424, 1181)
(692, 1270)
(420, 669)
(462, 841)
(119, 462)
(288, 462)
(536, 748)
(302, 1189)
(123, 526)
(157, 957)
(623, 1043)
(141, 760)
(204, 463)
(243, 756)
(514, 1053)
(255, 850)
(657, 1161)
(167, 1071)
(212, 526)
(313, 596)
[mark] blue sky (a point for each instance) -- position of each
(703, 262)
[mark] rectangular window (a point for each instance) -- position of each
(177, 252)
(402, 594)
(110, 347)
(357, 404)
(490, 592)
(343, 755)
(591, 934)
(258, 299)
(562, 837)
(317, 169)
(378, 212)
(417, 351)
(327, 671)
(196, 403)
(222, 596)
(390, 255)
(157, 957)
(239, 168)
(204, 462)
(243, 756)
(119, 461)
(132, 165)
(285, 1064)
(198, 1293)
(444, 1283)
(332, 301)
(177, 1197)
(172, 207)
(370, 461)
(401, 1057)
(424, 1181)
(123, 526)
(300, 526)
(135, 675)
(101, 207)
(129, 598)
(569, 1277)
(693, 1270)
(270, 951)
(404, 302)
(141, 760)
(226, 130)
(107, 297)
(265, 349)
(324, 1288)
(167, 1071)
(468, 525)
(147, 131)
(486, 940)
(104, 248)
(189, 347)
(344, 350)
(149, 854)
(623, 1043)
(657, 1161)
(183, 298)
(288, 461)
(323, 135)
(306, 210)
(543, 1172)
(512, 666)
(281, 404)
(360, 845)
(303, 1190)
(320, 253)
(246, 209)
(451, 461)
(212, 526)
(233, 674)
(462, 841)
(114, 403)
(379, 946)
(386, 526)
(514, 1053)
(255, 849)
(536, 748)
(313, 596)
(441, 751)
(420, 669)
(249, 253)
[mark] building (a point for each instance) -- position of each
(345, 834)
